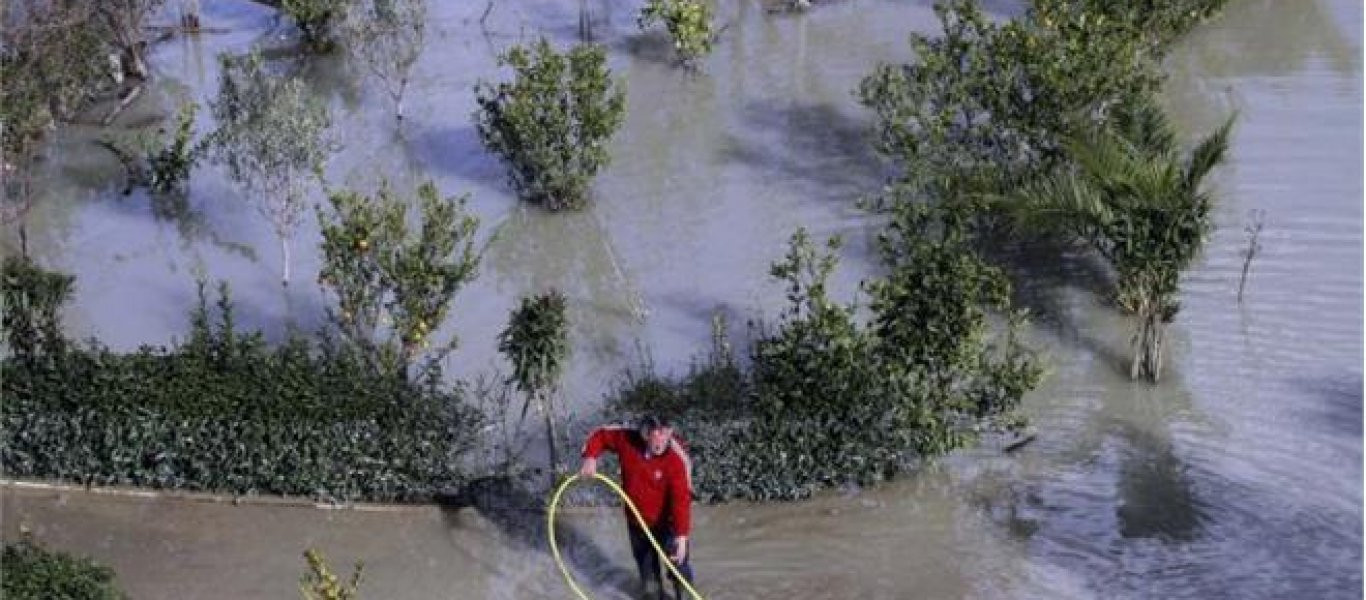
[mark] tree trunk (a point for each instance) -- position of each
(284, 259)
(585, 22)
(1136, 350)
(1158, 329)
(1147, 347)
(550, 432)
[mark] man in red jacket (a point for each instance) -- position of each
(657, 476)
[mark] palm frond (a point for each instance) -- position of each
(1064, 201)
(1101, 155)
(1209, 154)
(1144, 124)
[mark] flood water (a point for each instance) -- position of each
(1239, 476)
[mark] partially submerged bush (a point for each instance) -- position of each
(394, 277)
(688, 23)
(161, 160)
(989, 100)
(317, 21)
(829, 401)
(551, 124)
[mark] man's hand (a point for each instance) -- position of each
(589, 468)
(680, 550)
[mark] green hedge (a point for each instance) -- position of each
(742, 451)
(224, 412)
(30, 572)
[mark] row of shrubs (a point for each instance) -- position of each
(223, 412)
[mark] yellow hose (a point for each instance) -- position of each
(555, 548)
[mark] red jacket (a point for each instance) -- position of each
(660, 486)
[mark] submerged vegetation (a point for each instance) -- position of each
(1139, 203)
(394, 282)
(536, 342)
(271, 136)
(689, 23)
(829, 399)
(221, 411)
(1059, 102)
(1046, 121)
(551, 124)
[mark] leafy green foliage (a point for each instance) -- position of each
(688, 23)
(35, 573)
(33, 300)
(551, 124)
(1138, 201)
(224, 412)
(830, 401)
(317, 20)
(169, 167)
(989, 101)
(536, 342)
(319, 583)
(152, 159)
(271, 138)
(394, 284)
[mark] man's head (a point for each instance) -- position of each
(657, 432)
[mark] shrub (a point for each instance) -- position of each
(317, 20)
(394, 278)
(34, 573)
(993, 101)
(319, 583)
(830, 401)
(551, 123)
(688, 23)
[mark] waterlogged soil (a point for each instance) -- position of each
(1239, 476)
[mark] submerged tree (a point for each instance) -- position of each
(536, 343)
(271, 137)
(688, 22)
(394, 282)
(317, 20)
(125, 23)
(551, 124)
(1139, 202)
(161, 160)
(53, 62)
(387, 36)
(993, 102)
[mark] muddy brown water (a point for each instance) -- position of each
(1240, 476)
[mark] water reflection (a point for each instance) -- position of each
(1156, 497)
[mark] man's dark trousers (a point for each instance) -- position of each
(647, 560)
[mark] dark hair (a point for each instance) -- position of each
(653, 422)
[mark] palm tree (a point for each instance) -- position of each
(1136, 198)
